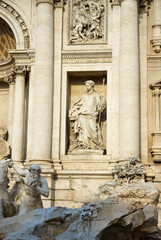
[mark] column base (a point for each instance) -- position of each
(44, 163)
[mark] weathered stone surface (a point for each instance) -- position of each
(111, 219)
(4, 146)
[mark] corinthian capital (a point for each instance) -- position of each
(19, 69)
(59, 3)
(10, 79)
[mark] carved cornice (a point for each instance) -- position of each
(23, 56)
(87, 57)
(19, 19)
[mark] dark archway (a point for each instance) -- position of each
(7, 41)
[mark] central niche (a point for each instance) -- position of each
(87, 104)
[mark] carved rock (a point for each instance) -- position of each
(110, 219)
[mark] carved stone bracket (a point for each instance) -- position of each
(20, 20)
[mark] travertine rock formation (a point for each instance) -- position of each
(130, 214)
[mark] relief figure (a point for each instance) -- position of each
(87, 21)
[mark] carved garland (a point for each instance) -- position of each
(20, 20)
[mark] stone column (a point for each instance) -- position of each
(116, 10)
(143, 42)
(58, 38)
(129, 80)
(43, 83)
(11, 81)
(18, 117)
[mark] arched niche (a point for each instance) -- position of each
(15, 19)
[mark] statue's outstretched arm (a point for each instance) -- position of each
(19, 171)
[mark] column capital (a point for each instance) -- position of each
(19, 70)
(44, 1)
(10, 79)
(59, 3)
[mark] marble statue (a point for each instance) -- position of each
(4, 146)
(7, 207)
(85, 118)
(87, 21)
(29, 190)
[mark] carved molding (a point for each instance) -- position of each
(87, 22)
(20, 20)
(23, 55)
(154, 61)
(87, 57)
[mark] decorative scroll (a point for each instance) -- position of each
(87, 22)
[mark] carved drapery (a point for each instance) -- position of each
(156, 116)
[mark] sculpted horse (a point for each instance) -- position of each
(7, 207)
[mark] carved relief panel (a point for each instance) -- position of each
(87, 22)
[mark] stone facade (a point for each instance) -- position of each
(48, 49)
